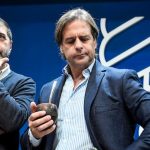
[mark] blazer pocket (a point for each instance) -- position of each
(106, 108)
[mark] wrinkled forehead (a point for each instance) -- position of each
(76, 20)
(76, 25)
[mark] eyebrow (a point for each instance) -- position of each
(81, 36)
(2, 34)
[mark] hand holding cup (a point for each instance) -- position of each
(50, 108)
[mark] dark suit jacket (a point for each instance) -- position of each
(16, 93)
(114, 102)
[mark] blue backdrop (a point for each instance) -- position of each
(125, 42)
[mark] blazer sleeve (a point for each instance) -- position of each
(25, 141)
(138, 103)
(15, 105)
(26, 145)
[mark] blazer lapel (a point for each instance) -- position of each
(95, 79)
(58, 90)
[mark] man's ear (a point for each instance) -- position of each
(9, 51)
(95, 43)
(61, 49)
(11, 42)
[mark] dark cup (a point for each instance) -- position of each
(50, 108)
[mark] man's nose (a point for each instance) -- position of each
(78, 44)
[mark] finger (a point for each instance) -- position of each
(49, 130)
(40, 134)
(33, 107)
(38, 122)
(41, 121)
(45, 126)
(37, 115)
(3, 61)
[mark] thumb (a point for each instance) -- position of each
(33, 107)
(3, 61)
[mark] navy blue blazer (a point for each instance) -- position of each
(114, 102)
(16, 93)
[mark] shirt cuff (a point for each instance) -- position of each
(35, 142)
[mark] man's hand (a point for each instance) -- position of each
(3, 62)
(39, 124)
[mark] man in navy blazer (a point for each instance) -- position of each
(98, 106)
(16, 93)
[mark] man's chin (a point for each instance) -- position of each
(84, 63)
(85, 60)
(3, 56)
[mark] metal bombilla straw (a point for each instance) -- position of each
(52, 91)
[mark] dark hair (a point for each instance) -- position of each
(72, 15)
